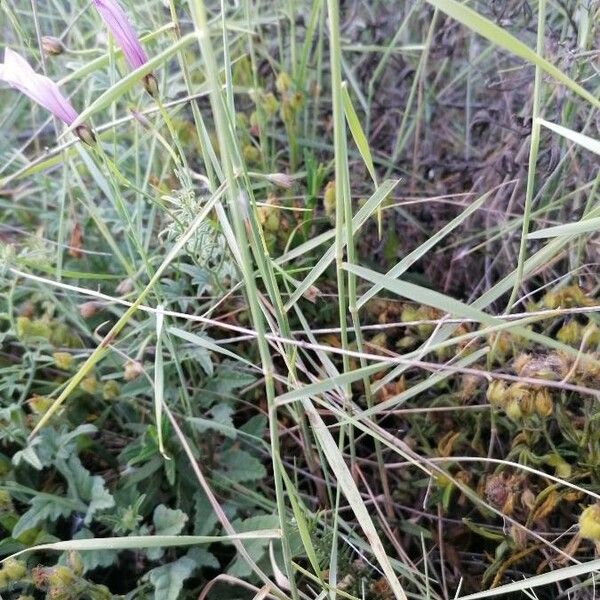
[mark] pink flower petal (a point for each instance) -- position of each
(119, 26)
(17, 72)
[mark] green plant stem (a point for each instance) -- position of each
(241, 225)
(342, 198)
(533, 154)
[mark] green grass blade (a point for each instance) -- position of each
(401, 267)
(451, 306)
(357, 222)
(132, 79)
(495, 34)
(328, 384)
(197, 340)
(301, 523)
(350, 490)
(135, 542)
(589, 143)
(538, 580)
(578, 228)
(159, 379)
(360, 139)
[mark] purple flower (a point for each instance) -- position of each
(116, 20)
(17, 72)
(119, 26)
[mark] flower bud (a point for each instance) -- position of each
(496, 392)
(52, 46)
(14, 570)
(329, 198)
(269, 104)
(513, 410)
(6, 505)
(39, 404)
(61, 576)
(86, 135)
(63, 360)
(89, 384)
(125, 286)
(151, 85)
(251, 153)
(88, 309)
(110, 390)
(543, 403)
(589, 523)
(281, 179)
(132, 370)
(283, 82)
(570, 333)
(296, 101)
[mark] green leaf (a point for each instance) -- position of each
(168, 521)
(203, 558)
(29, 455)
(228, 378)
(255, 426)
(44, 507)
(205, 519)
(240, 466)
(256, 548)
(86, 487)
(55, 445)
(168, 579)
(221, 421)
(360, 139)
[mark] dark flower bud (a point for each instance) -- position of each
(52, 46)
(86, 135)
(151, 85)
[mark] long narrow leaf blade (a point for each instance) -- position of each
(495, 34)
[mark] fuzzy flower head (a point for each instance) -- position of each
(17, 72)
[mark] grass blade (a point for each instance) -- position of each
(135, 542)
(357, 222)
(360, 139)
(350, 490)
(583, 226)
(538, 580)
(495, 34)
(580, 139)
(159, 380)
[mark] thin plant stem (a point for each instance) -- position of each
(533, 154)
(241, 225)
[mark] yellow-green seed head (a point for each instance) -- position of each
(589, 523)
